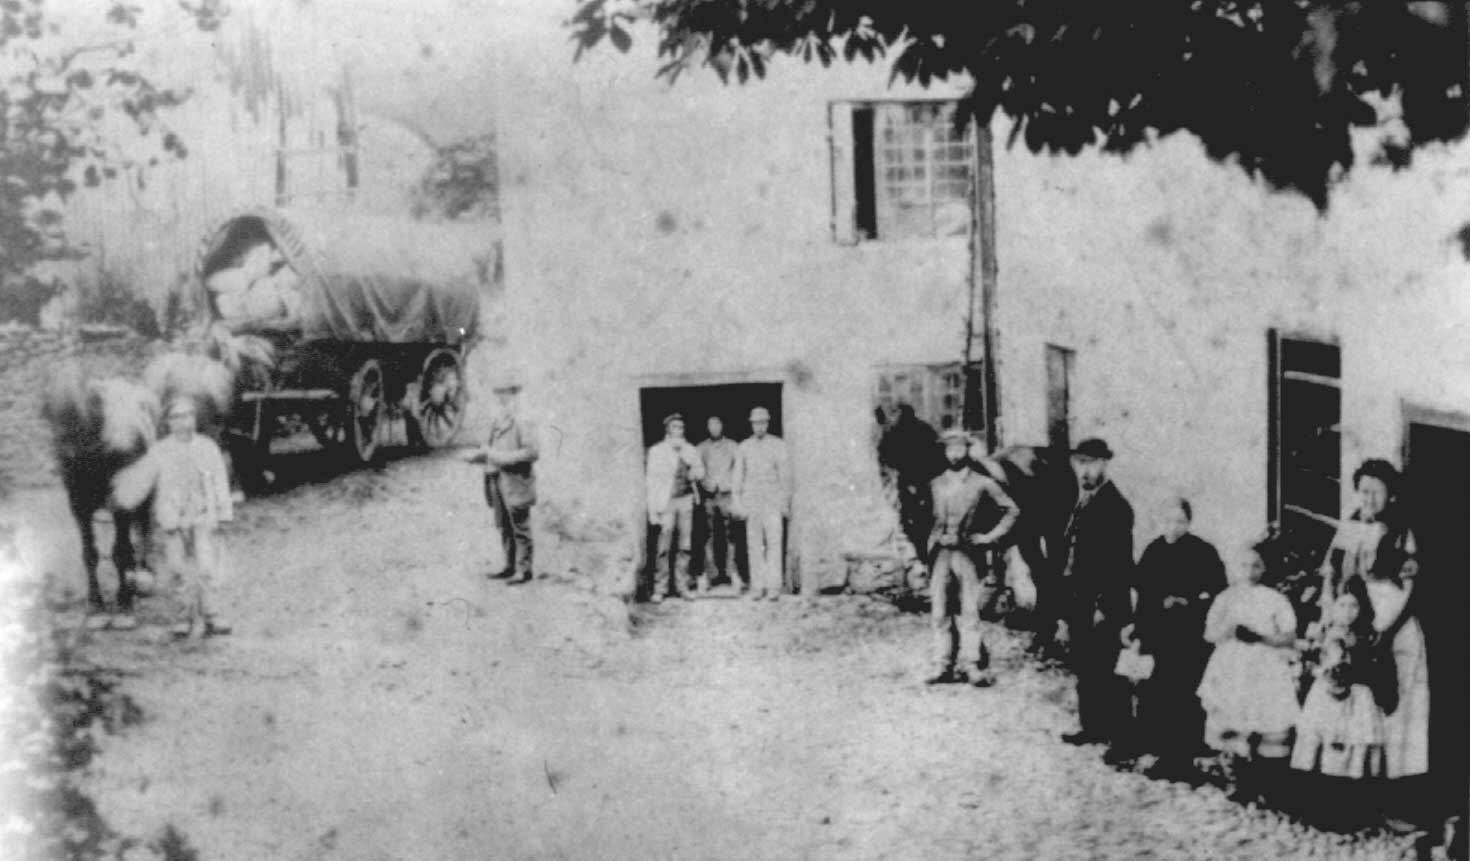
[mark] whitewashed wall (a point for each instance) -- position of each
(1163, 271)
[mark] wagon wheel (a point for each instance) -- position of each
(366, 410)
(439, 410)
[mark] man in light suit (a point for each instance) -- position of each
(672, 483)
(761, 494)
(972, 513)
(509, 455)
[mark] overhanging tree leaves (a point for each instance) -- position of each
(1275, 86)
(70, 114)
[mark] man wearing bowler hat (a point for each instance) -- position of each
(672, 481)
(1094, 593)
(972, 513)
(761, 494)
(509, 456)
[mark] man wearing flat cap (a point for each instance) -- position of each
(761, 494)
(509, 456)
(1094, 593)
(674, 471)
(972, 513)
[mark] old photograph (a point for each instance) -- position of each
(734, 429)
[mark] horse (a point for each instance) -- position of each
(1041, 481)
(102, 429)
(99, 428)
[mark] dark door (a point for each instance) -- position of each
(1059, 396)
(1437, 494)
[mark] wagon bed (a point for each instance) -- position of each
(370, 319)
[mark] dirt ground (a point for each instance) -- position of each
(380, 699)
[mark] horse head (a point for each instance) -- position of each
(112, 420)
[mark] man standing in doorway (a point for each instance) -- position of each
(972, 513)
(718, 454)
(1095, 580)
(909, 448)
(509, 456)
(674, 470)
(761, 494)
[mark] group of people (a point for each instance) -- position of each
(1178, 657)
(714, 491)
(708, 495)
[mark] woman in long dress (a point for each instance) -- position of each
(1375, 545)
(1177, 576)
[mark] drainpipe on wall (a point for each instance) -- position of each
(982, 279)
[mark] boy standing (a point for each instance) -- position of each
(193, 498)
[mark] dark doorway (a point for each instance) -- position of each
(732, 402)
(1437, 495)
(1059, 364)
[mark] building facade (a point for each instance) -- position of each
(800, 240)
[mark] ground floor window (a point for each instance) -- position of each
(943, 396)
(1059, 364)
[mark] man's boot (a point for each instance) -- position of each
(941, 676)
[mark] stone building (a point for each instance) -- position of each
(801, 242)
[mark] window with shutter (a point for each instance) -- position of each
(1305, 453)
(900, 170)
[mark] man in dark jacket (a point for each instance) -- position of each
(910, 448)
(510, 481)
(1096, 602)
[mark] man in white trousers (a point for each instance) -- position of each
(761, 494)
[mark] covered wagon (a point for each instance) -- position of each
(370, 319)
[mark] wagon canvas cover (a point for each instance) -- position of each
(368, 278)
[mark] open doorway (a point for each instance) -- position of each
(1437, 496)
(732, 402)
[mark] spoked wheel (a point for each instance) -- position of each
(439, 411)
(366, 410)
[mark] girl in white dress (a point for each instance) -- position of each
(1249, 688)
(1340, 731)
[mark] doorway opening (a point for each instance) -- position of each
(1436, 494)
(732, 402)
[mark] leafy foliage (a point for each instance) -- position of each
(1274, 86)
(462, 183)
(111, 300)
(70, 115)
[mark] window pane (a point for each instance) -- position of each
(915, 199)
